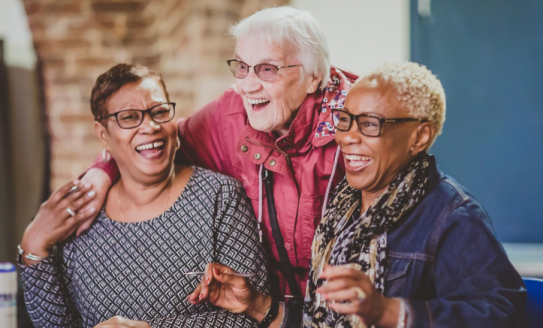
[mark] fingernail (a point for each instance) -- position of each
(91, 194)
(200, 297)
(207, 280)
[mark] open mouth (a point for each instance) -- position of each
(357, 162)
(151, 149)
(258, 104)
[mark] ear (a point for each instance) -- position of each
(423, 136)
(313, 84)
(102, 134)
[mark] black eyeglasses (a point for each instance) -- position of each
(265, 72)
(368, 125)
(132, 118)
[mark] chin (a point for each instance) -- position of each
(358, 182)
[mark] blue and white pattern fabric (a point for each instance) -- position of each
(135, 270)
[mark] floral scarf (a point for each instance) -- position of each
(344, 237)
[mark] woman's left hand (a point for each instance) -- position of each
(120, 322)
(362, 299)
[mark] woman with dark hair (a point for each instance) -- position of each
(159, 222)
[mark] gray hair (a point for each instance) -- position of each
(293, 30)
(417, 88)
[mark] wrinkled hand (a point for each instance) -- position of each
(350, 291)
(229, 292)
(53, 223)
(120, 322)
(100, 182)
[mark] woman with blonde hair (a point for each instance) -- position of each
(401, 244)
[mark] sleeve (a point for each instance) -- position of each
(475, 284)
(237, 246)
(110, 167)
(47, 291)
(202, 140)
(212, 319)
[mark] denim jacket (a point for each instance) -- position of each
(445, 261)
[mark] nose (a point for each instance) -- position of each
(349, 138)
(148, 125)
(251, 83)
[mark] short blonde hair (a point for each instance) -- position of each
(417, 88)
(291, 30)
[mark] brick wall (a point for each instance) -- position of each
(77, 40)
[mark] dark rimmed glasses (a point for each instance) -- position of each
(265, 72)
(132, 118)
(368, 125)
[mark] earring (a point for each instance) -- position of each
(178, 144)
(413, 152)
(105, 156)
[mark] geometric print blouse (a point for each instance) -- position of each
(135, 270)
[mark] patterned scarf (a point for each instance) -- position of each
(344, 237)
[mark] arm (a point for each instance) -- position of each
(202, 140)
(238, 245)
(47, 291)
(476, 285)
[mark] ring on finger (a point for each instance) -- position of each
(360, 293)
(70, 211)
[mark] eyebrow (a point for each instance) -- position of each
(363, 113)
(263, 61)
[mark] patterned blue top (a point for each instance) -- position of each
(135, 270)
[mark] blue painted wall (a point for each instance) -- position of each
(489, 56)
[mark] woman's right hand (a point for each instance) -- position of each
(220, 287)
(54, 223)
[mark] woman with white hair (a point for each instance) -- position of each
(400, 244)
(273, 131)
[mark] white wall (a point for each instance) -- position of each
(19, 51)
(362, 33)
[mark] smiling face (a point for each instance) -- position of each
(372, 163)
(145, 152)
(271, 106)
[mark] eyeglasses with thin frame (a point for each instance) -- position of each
(368, 125)
(132, 118)
(265, 72)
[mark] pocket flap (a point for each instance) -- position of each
(397, 268)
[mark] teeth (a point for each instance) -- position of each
(150, 145)
(256, 101)
(357, 158)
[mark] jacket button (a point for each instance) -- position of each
(287, 247)
(272, 162)
(257, 156)
(244, 148)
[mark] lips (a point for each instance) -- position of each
(355, 163)
(152, 149)
(258, 104)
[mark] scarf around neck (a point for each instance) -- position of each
(344, 237)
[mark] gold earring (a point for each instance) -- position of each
(413, 152)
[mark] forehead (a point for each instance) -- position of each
(136, 95)
(378, 100)
(254, 50)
